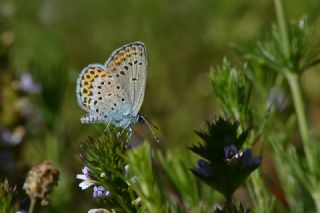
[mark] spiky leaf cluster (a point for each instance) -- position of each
(219, 134)
(103, 156)
(224, 167)
(233, 89)
(298, 55)
(7, 200)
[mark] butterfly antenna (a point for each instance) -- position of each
(151, 126)
(148, 121)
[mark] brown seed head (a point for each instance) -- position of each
(40, 181)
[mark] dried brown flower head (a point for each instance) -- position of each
(40, 181)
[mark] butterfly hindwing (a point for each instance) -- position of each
(101, 95)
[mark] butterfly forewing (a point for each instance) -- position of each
(129, 66)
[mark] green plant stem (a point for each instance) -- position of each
(228, 204)
(316, 198)
(282, 22)
(293, 80)
(32, 205)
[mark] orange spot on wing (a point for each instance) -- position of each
(117, 61)
(86, 104)
(89, 77)
(85, 83)
(133, 52)
(86, 92)
(87, 87)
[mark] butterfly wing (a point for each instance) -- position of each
(101, 95)
(129, 65)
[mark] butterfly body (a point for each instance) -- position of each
(113, 92)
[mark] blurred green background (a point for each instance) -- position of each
(52, 40)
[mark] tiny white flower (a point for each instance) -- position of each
(87, 181)
(86, 184)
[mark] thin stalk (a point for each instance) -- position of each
(32, 205)
(293, 80)
(282, 22)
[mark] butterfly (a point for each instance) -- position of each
(113, 92)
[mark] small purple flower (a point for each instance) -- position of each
(230, 152)
(100, 192)
(27, 84)
(85, 171)
(6, 135)
(204, 169)
(249, 161)
(87, 180)
(12, 137)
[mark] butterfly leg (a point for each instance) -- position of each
(129, 133)
(123, 130)
(107, 127)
